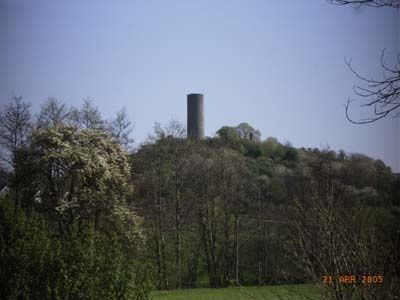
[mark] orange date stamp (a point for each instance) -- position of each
(353, 279)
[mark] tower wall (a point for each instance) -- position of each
(195, 116)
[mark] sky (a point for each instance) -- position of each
(278, 65)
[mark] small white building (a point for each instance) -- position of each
(4, 191)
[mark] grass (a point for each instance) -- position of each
(278, 292)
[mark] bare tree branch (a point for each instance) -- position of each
(383, 94)
(371, 3)
(121, 128)
(52, 113)
(15, 124)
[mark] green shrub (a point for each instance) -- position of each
(36, 262)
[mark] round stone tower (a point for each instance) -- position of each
(195, 116)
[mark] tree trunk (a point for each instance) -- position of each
(178, 242)
(259, 238)
(237, 252)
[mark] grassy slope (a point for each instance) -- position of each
(282, 292)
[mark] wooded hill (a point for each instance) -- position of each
(86, 219)
(228, 210)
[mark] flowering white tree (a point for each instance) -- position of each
(83, 175)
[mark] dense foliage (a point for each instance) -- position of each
(37, 262)
(67, 228)
(86, 220)
(228, 210)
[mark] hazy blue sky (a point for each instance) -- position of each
(278, 65)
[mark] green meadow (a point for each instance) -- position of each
(279, 292)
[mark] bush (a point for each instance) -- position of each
(38, 263)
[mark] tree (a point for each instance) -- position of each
(228, 133)
(383, 95)
(88, 116)
(149, 174)
(242, 131)
(52, 113)
(335, 238)
(121, 128)
(15, 125)
(82, 175)
(162, 165)
(178, 150)
(245, 131)
(174, 129)
(335, 233)
(218, 189)
(172, 154)
(37, 262)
